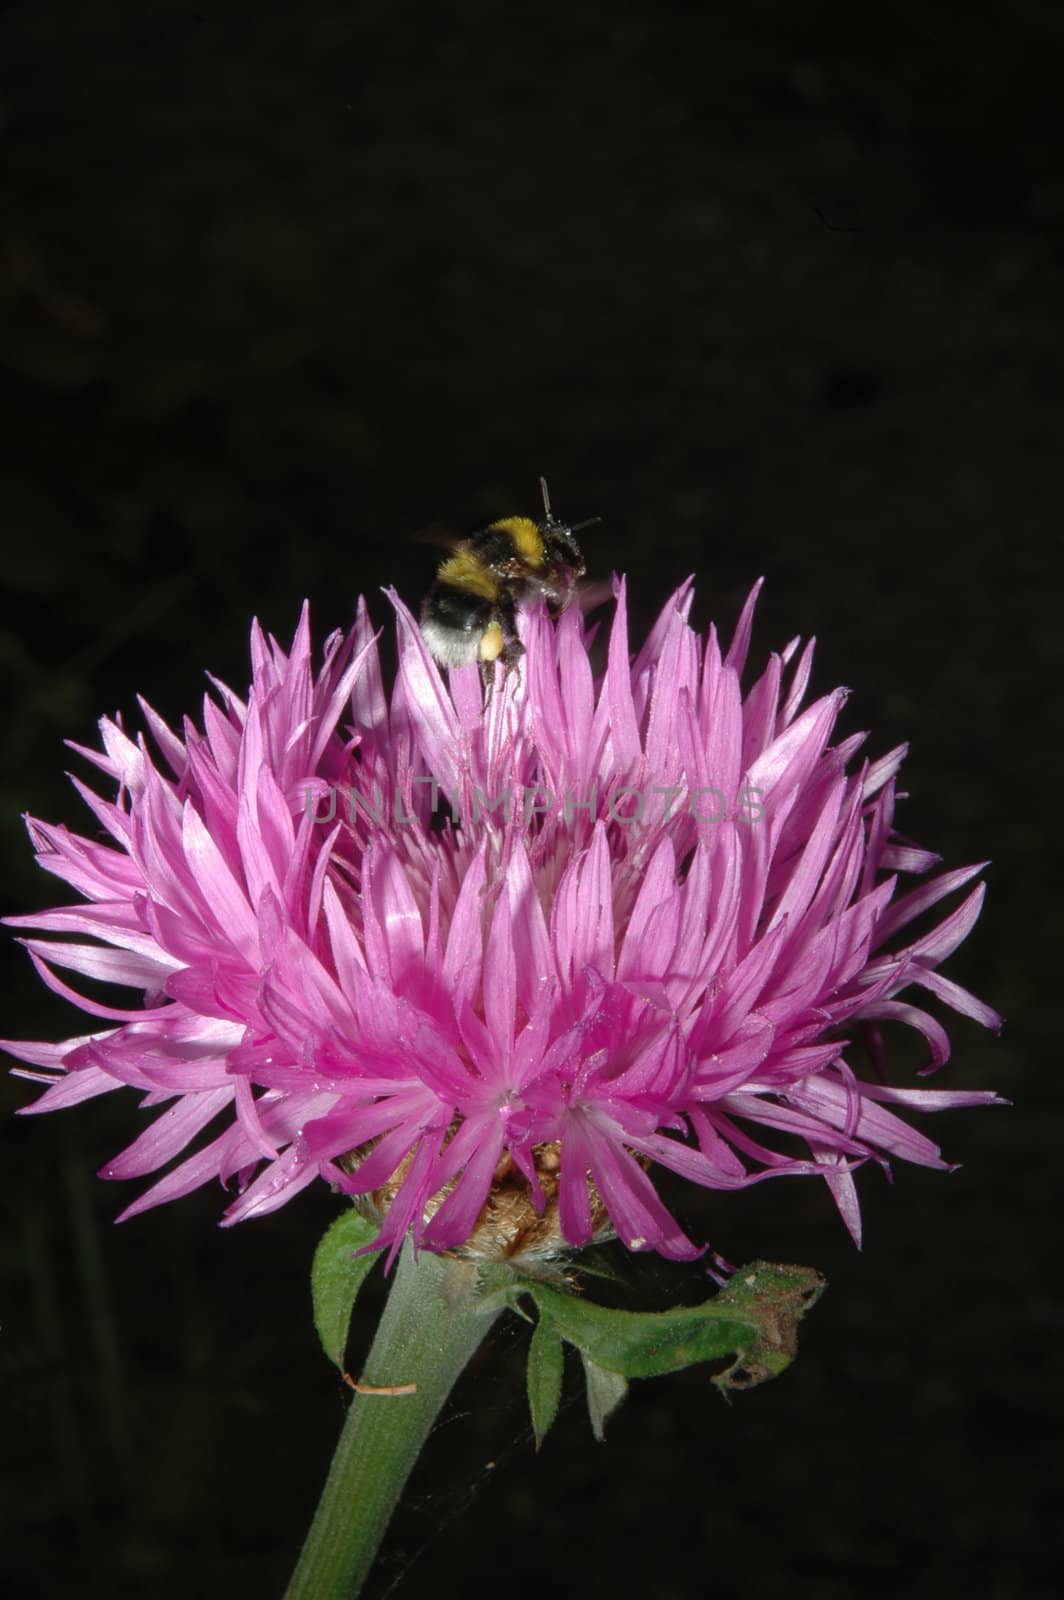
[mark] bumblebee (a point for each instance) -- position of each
(470, 612)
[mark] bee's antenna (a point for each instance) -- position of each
(548, 515)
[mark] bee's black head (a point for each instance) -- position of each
(559, 544)
(561, 550)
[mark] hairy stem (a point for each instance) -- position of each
(432, 1323)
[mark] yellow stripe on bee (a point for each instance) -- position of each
(528, 541)
(464, 571)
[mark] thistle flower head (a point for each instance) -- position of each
(485, 963)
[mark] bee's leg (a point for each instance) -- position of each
(500, 643)
(512, 648)
(492, 648)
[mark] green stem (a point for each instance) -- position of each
(432, 1323)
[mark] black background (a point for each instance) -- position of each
(774, 291)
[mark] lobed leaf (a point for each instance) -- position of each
(545, 1364)
(605, 1391)
(754, 1319)
(336, 1276)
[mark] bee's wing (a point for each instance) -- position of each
(590, 593)
(435, 533)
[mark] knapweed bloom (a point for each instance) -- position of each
(486, 961)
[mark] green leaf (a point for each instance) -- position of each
(336, 1277)
(605, 1391)
(545, 1361)
(755, 1320)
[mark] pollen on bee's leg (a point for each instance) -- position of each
(491, 642)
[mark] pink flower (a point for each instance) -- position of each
(657, 915)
